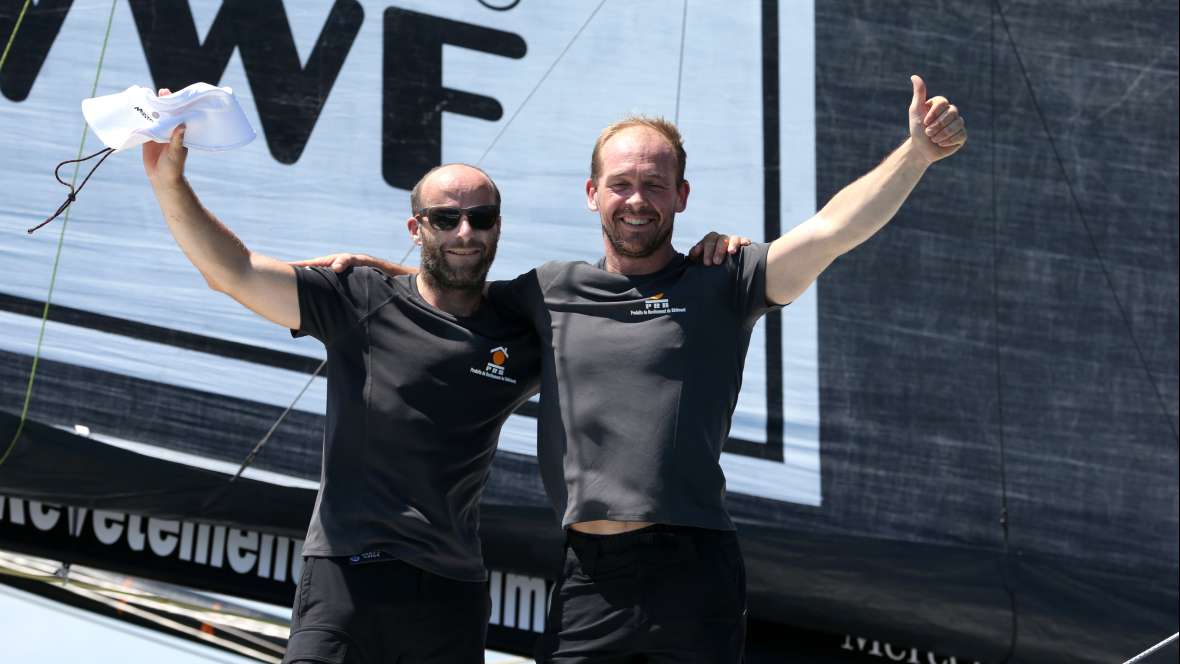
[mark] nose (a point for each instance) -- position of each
(636, 198)
(464, 228)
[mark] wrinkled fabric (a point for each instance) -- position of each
(212, 117)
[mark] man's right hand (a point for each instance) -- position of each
(341, 262)
(164, 162)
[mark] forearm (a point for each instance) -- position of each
(862, 208)
(215, 251)
(851, 217)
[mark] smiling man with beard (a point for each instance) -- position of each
(642, 365)
(392, 569)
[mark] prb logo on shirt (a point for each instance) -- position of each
(499, 357)
(657, 305)
(495, 368)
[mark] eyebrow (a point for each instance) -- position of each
(655, 174)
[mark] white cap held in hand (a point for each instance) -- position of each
(212, 116)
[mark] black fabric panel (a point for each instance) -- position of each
(1093, 466)
(58, 467)
(177, 418)
(915, 396)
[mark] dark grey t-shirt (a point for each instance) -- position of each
(640, 376)
(416, 399)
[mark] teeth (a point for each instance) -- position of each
(636, 221)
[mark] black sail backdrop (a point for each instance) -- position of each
(996, 374)
(1010, 342)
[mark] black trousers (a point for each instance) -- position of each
(660, 594)
(384, 613)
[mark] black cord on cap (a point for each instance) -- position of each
(73, 195)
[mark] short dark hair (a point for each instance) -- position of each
(416, 192)
(661, 126)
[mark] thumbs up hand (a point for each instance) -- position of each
(936, 128)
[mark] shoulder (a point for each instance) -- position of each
(750, 258)
(753, 252)
(746, 264)
(364, 277)
(540, 277)
(554, 269)
(358, 284)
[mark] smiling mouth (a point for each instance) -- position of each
(635, 221)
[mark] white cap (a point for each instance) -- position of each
(212, 116)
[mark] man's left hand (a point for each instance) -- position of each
(712, 248)
(936, 128)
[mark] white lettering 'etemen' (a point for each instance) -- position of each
(518, 601)
(266, 555)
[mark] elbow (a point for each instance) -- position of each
(225, 278)
(213, 284)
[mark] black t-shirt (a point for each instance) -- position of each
(416, 399)
(640, 376)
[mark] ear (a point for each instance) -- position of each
(682, 196)
(415, 229)
(591, 195)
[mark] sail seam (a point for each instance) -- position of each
(1014, 626)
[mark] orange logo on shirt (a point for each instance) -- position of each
(495, 369)
(657, 305)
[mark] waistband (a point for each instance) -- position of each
(384, 565)
(659, 535)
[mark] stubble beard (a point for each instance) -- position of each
(442, 274)
(622, 248)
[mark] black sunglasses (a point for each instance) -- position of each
(445, 218)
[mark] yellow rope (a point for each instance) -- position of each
(12, 36)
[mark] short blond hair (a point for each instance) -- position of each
(661, 126)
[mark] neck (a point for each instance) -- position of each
(454, 301)
(653, 262)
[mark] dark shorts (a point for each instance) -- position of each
(385, 611)
(660, 594)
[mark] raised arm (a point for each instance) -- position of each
(265, 285)
(862, 208)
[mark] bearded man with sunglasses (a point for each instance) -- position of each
(393, 569)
